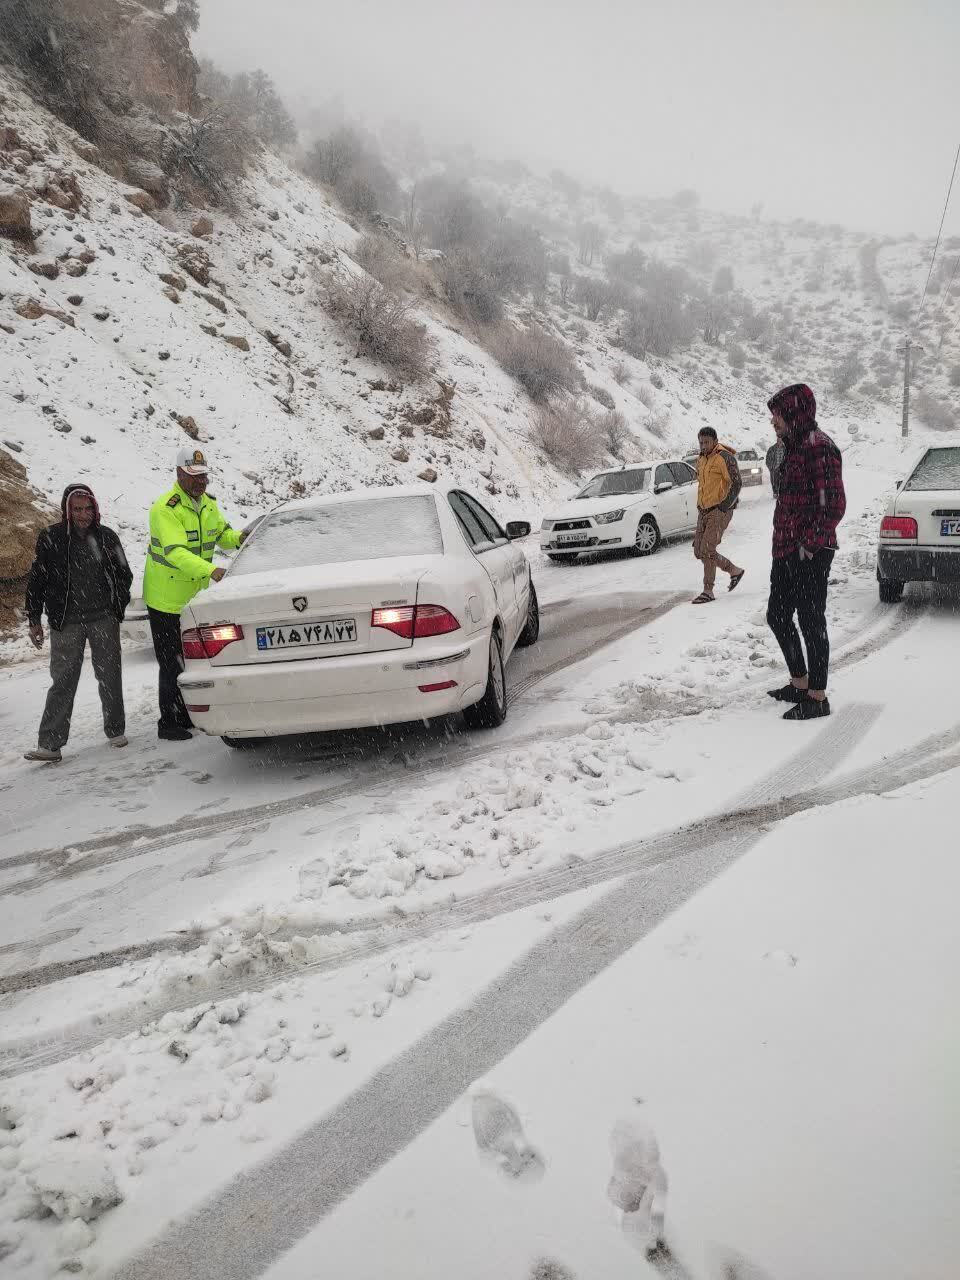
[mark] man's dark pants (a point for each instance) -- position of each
(165, 629)
(798, 588)
(66, 662)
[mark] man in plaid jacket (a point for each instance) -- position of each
(810, 504)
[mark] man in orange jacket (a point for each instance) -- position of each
(718, 492)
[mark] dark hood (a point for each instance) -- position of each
(65, 502)
(796, 405)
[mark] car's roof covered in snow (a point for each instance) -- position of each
(364, 495)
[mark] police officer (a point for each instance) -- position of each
(186, 526)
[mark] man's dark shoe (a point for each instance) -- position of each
(809, 709)
(174, 733)
(789, 693)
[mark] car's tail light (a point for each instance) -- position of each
(207, 642)
(197, 706)
(898, 527)
(436, 688)
(415, 622)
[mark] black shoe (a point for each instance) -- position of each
(789, 693)
(174, 733)
(809, 709)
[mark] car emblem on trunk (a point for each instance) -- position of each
(299, 603)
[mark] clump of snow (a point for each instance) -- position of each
(75, 1186)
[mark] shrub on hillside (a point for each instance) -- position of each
(847, 372)
(615, 431)
(627, 265)
(348, 160)
(933, 412)
(380, 322)
(386, 262)
(469, 288)
(656, 381)
(544, 366)
(646, 395)
(736, 356)
(620, 373)
(591, 294)
(602, 396)
(569, 435)
(955, 376)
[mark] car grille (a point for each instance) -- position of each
(563, 526)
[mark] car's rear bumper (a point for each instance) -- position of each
(919, 564)
(749, 479)
(257, 700)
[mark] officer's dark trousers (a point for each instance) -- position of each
(165, 629)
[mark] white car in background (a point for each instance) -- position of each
(360, 609)
(750, 462)
(920, 533)
(634, 507)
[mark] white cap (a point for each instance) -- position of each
(192, 461)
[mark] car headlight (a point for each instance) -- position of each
(547, 524)
(609, 517)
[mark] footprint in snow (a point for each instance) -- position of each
(638, 1183)
(499, 1135)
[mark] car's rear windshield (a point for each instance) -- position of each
(367, 529)
(748, 455)
(610, 483)
(937, 469)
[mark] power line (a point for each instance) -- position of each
(943, 216)
(945, 295)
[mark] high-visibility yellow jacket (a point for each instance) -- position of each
(183, 536)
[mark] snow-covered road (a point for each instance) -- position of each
(329, 944)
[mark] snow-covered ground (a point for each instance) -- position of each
(260, 984)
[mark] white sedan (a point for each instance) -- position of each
(360, 609)
(920, 533)
(634, 507)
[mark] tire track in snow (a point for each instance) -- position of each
(895, 624)
(759, 807)
(290, 1192)
(98, 851)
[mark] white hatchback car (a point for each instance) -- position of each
(920, 533)
(360, 609)
(634, 507)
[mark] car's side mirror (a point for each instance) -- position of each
(518, 529)
(663, 486)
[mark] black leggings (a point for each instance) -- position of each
(799, 587)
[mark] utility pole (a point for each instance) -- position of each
(908, 347)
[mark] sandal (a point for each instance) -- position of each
(703, 598)
(735, 579)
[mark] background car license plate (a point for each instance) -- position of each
(571, 538)
(950, 528)
(298, 636)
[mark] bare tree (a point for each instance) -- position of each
(414, 231)
(590, 239)
(569, 435)
(593, 295)
(541, 364)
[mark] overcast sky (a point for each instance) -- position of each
(830, 109)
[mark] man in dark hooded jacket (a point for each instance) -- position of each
(810, 504)
(81, 580)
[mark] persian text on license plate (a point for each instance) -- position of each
(330, 631)
(950, 528)
(571, 538)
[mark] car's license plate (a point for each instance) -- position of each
(571, 539)
(302, 634)
(950, 528)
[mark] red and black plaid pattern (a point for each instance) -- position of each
(811, 501)
(796, 405)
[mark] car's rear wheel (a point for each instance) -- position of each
(531, 630)
(648, 537)
(491, 710)
(890, 592)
